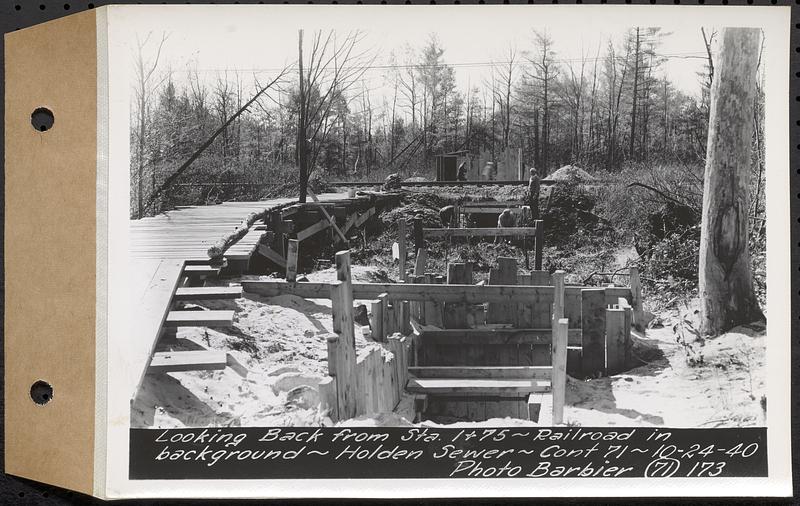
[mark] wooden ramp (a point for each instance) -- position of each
(187, 233)
(168, 264)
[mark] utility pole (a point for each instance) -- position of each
(302, 160)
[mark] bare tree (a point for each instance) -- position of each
(502, 91)
(545, 73)
(332, 68)
(726, 280)
(143, 90)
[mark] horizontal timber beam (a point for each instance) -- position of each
(480, 232)
(497, 336)
(469, 294)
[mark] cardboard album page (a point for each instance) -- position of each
(399, 251)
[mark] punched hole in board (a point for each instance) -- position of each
(42, 119)
(41, 392)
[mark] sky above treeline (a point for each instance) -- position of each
(260, 40)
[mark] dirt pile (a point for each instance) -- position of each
(571, 173)
(424, 205)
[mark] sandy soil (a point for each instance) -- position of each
(281, 342)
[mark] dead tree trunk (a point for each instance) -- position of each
(302, 156)
(726, 280)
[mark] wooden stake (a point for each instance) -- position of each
(615, 340)
(291, 260)
(636, 303)
(401, 241)
(420, 262)
(539, 246)
(419, 241)
(559, 380)
(376, 320)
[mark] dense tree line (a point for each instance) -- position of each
(611, 109)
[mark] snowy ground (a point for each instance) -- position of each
(281, 341)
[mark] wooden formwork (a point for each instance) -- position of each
(300, 222)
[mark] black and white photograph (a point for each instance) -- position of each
(389, 226)
(429, 242)
(400, 251)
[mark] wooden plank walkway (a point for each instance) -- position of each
(161, 245)
(188, 232)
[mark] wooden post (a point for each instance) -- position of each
(615, 340)
(636, 299)
(504, 274)
(376, 320)
(623, 304)
(405, 317)
(593, 325)
(333, 366)
(432, 310)
(419, 240)
(401, 241)
(526, 217)
(539, 246)
(558, 381)
(455, 314)
(291, 260)
(420, 262)
(327, 395)
(558, 300)
(342, 308)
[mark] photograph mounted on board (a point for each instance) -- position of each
(395, 225)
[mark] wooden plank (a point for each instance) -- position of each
(540, 278)
(273, 255)
(613, 294)
(540, 408)
(208, 293)
(489, 210)
(331, 220)
(572, 305)
(504, 274)
(479, 386)
(401, 241)
(363, 217)
(376, 320)
(313, 229)
(215, 318)
(627, 328)
(327, 396)
(342, 309)
(455, 314)
(593, 328)
(559, 376)
(558, 301)
(201, 270)
(420, 262)
(480, 232)
(179, 361)
(539, 245)
(497, 336)
(467, 294)
(615, 340)
(292, 253)
(481, 372)
(420, 406)
(636, 299)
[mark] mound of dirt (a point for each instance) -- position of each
(424, 205)
(571, 172)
